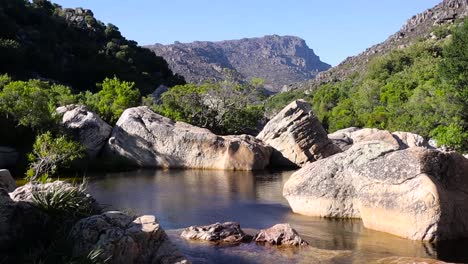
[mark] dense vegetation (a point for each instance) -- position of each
(43, 40)
(422, 88)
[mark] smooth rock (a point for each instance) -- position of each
(87, 127)
(407, 139)
(6, 181)
(124, 239)
(8, 157)
(297, 136)
(280, 234)
(228, 232)
(408, 260)
(147, 139)
(415, 193)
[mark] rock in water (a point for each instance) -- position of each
(87, 127)
(6, 181)
(229, 232)
(280, 234)
(124, 239)
(147, 139)
(415, 193)
(297, 136)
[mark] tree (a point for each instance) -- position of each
(51, 153)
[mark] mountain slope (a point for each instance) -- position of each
(280, 60)
(44, 40)
(418, 27)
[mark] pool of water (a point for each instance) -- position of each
(181, 198)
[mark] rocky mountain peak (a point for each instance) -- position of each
(280, 60)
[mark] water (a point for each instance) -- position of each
(181, 198)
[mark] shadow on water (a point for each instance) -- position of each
(181, 198)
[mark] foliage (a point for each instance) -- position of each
(51, 153)
(225, 107)
(114, 97)
(39, 39)
(275, 103)
(452, 135)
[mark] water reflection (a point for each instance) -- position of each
(180, 198)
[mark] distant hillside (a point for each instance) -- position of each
(416, 28)
(44, 40)
(280, 60)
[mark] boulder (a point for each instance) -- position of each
(124, 239)
(8, 157)
(229, 232)
(297, 136)
(87, 127)
(409, 140)
(416, 193)
(408, 260)
(147, 139)
(6, 181)
(280, 234)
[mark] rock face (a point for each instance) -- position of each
(280, 60)
(8, 157)
(297, 136)
(6, 181)
(124, 239)
(229, 232)
(415, 192)
(88, 128)
(417, 27)
(147, 139)
(345, 138)
(280, 234)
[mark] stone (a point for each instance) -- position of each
(158, 92)
(6, 181)
(297, 136)
(342, 138)
(408, 260)
(87, 127)
(8, 157)
(147, 139)
(280, 234)
(408, 140)
(124, 239)
(415, 193)
(228, 232)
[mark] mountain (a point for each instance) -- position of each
(39, 39)
(416, 28)
(279, 60)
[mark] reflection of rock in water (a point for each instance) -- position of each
(251, 253)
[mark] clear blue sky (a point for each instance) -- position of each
(334, 29)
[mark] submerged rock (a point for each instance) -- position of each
(124, 239)
(415, 193)
(280, 234)
(6, 181)
(87, 127)
(297, 136)
(228, 232)
(147, 139)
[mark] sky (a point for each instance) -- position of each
(333, 29)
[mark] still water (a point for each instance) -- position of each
(181, 198)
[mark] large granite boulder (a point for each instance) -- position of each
(280, 235)
(147, 139)
(8, 157)
(124, 239)
(87, 127)
(297, 136)
(6, 181)
(416, 193)
(229, 232)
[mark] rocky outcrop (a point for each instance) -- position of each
(229, 232)
(147, 139)
(124, 239)
(416, 193)
(8, 157)
(345, 138)
(280, 235)
(279, 60)
(87, 127)
(6, 181)
(297, 136)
